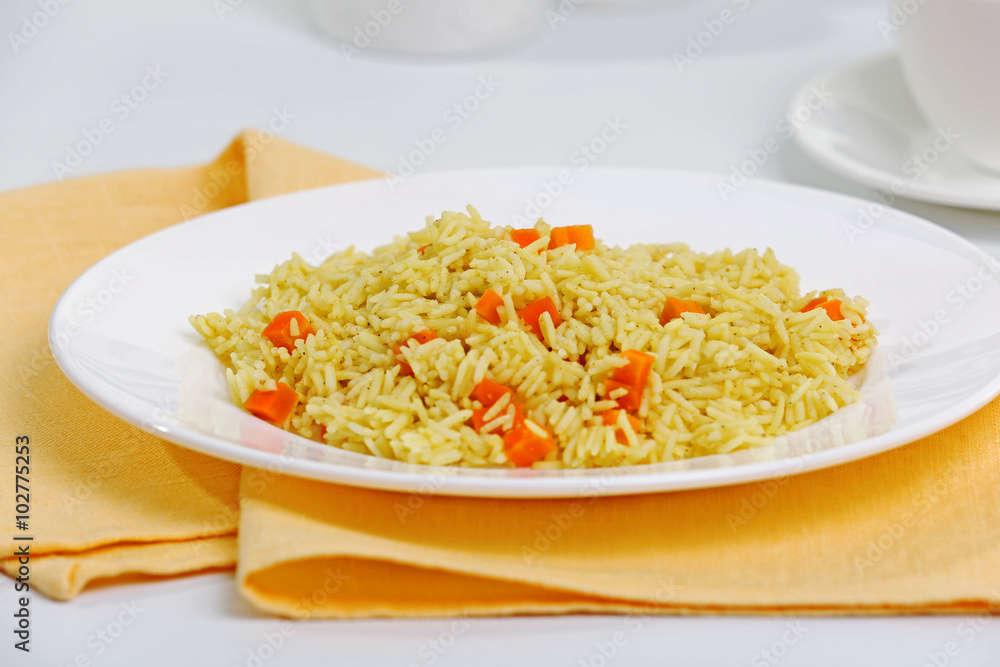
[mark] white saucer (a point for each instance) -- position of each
(870, 130)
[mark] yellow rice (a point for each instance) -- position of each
(752, 368)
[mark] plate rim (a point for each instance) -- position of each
(566, 486)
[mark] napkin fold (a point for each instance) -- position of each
(914, 530)
(106, 499)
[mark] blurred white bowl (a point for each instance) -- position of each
(429, 26)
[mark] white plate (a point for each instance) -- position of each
(120, 332)
(870, 130)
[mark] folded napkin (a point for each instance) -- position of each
(108, 500)
(913, 530)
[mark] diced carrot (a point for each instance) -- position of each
(422, 336)
(831, 306)
(489, 392)
(405, 369)
(479, 416)
(518, 414)
(530, 314)
(487, 306)
(674, 307)
(282, 333)
(558, 237)
(631, 400)
(611, 419)
(524, 237)
(275, 405)
(527, 444)
(813, 303)
(581, 235)
(637, 369)
(631, 377)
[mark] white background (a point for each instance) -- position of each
(224, 73)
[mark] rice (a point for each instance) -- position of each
(751, 368)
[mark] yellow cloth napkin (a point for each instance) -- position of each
(913, 530)
(107, 500)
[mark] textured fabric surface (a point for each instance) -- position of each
(99, 487)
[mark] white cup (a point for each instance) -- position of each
(950, 52)
(429, 26)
